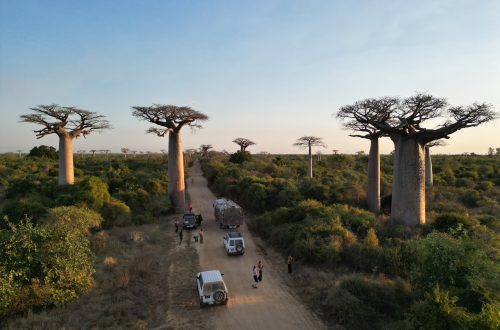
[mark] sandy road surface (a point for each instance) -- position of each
(270, 306)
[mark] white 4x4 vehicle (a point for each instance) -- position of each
(211, 288)
(234, 243)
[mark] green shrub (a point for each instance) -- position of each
(345, 309)
(438, 311)
(94, 192)
(43, 265)
(78, 219)
(240, 157)
(451, 221)
(390, 298)
(17, 209)
(459, 266)
(115, 213)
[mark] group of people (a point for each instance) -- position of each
(257, 270)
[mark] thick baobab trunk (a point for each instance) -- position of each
(66, 169)
(310, 165)
(176, 187)
(373, 193)
(429, 181)
(408, 186)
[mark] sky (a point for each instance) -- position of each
(270, 71)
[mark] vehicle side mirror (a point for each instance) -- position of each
(222, 274)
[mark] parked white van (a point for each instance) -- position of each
(211, 288)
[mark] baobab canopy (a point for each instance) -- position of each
(71, 120)
(169, 116)
(243, 143)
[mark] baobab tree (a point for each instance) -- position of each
(349, 114)
(429, 178)
(335, 152)
(172, 119)
(67, 123)
(93, 151)
(402, 121)
(243, 143)
(125, 151)
(204, 149)
(309, 142)
(19, 152)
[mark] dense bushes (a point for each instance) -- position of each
(45, 254)
(445, 273)
(120, 189)
(46, 264)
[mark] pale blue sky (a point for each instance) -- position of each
(270, 71)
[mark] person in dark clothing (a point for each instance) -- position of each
(260, 266)
(199, 219)
(176, 223)
(290, 262)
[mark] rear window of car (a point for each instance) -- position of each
(213, 287)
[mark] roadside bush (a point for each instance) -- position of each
(43, 265)
(115, 213)
(438, 311)
(93, 191)
(77, 219)
(344, 309)
(389, 298)
(458, 266)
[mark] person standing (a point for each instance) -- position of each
(200, 234)
(181, 236)
(260, 266)
(177, 223)
(290, 262)
(255, 277)
(190, 207)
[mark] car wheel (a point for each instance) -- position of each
(219, 296)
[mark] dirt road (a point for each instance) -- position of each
(271, 305)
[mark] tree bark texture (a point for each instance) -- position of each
(310, 165)
(176, 186)
(373, 193)
(429, 180)
(66, 169)
(408, 186)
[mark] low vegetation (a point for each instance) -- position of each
(441, 275)
(46, 230)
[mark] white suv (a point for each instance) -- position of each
(234, 243)
(211, 288)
